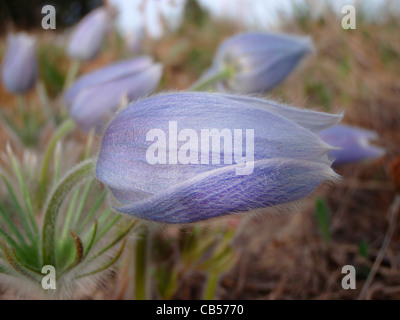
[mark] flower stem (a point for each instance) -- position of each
(72, 73)
(23, 111)
(66, 127)
(22, 107)
(211, 285)
(52, 209)
(204, 84)
(44, 100)
(142, 249)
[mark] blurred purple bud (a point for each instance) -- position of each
(20, 69)
(95, 96)
(258, 61)
(288, 160)
(87, 38)
(354, 144)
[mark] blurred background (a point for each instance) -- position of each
(297, 255)
(135, 15)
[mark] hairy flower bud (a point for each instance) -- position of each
(258, 61)
(186, 157)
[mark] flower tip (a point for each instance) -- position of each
(378, 151)
(157, 70)
(309, 45)
(8, 148)
(332, 176)
(372, 151)
(339, 117)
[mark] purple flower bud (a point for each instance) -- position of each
(20, 70)
(353, 144)
(87, 38)
(95, 96)
(186, 157)
(258, 61)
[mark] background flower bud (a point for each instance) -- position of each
(258, 61)
(87, 38)
(19, 69)
(97, 95)
(290, 160)
(353, 144)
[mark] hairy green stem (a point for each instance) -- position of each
(81, 172)
(22, 108)
(44, 100)
(66, 127)
(142, 249)
(72, 73)
(211, 285)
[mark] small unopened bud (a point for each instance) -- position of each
(258, 61)
(87, 38)
(20, 70)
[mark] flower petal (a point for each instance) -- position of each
(220, 192)
(312, 120)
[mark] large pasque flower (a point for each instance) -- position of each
(257, 61)
(96, 95)
(262, 154)
(19, 69)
